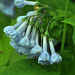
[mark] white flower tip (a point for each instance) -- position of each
(24, 41)
(55, 58)
(20, 18)
(19, 3)
(32, 43)
(44, 58)
(36, 50)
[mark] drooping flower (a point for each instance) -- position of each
(20, 18)
(17, 34)
(31, 13)
(7, 7)
(36, 50)
(25, 40)
(22, 3)
(44, 58)
(11, 28)
(55, 57)
(14, 44)
(32, 40)
(23, 50)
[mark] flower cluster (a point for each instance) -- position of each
(25, 38)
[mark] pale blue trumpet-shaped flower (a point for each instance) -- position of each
(25, 40)
(19, 3)
(29, 2)
(22, 3)
(32, 40)
(55, 57)
(31, 13)
(44, 58)
(23, 50)
(16, 34)
(14, 44)
(36, 50)
(9, 10)
(11, 28)
(7, 7)
(6, 2)
(20, 18)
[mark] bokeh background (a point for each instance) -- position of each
(11, 63)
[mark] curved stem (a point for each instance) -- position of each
(49, 24)
(65, 27)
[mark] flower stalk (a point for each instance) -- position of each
(65, 27)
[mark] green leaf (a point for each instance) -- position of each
(29, 67)
(15, 57)
(70, 20)
(4, 41)
(74, 36)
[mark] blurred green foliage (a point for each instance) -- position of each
(11, 63)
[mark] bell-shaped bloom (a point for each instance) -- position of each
(32, 40)
(11, 28)
(22, 3)
(36, 50)
(23, 50)
(31, 13)
(25, 40)
(44, 58)
(14, 44)
(7, 7)
(20, 18)
(9, 10)
(55, 57)
(17, 34)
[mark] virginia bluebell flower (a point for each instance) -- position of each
(44, 58)
(32, 40)
(7, 7)
(20, 18)
(22, 3)
(25, 40)
(19, 3)
(36, 50)
(31, 13)
(16, 34)
(23, 50)
(14, 44)
(29, 2)
(9, 10)
(10, 28)
(55, 57)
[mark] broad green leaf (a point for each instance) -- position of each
(74, 36)
(4, 41)
(15, 57)
(29, 67)
(70, 20)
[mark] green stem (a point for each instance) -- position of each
(65, 27)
